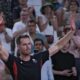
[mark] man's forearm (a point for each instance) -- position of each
(60, 44)
(57, 72)
(65, 39)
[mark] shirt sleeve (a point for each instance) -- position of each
(9, 62)
(42, 56)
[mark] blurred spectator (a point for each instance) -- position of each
(64, 65)
(20, 26)
(34, 34)
(38, 45)
(47, 23)
(17, 9)
(5, 35)
(75, 50)
(60, 12)
(32, 13)
(5, 6)
(72, 10)
(47, 12)
(46, 72)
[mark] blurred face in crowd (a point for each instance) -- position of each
(32, 27)
(24, 15)
(47, 10)
(73, 6)
(25, 46)
(38, 46)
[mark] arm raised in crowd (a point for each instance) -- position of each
(63, 41)
(52, 50)
(60, 44)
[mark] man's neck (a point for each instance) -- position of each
(25, 57)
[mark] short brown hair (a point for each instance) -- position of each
(20, 37)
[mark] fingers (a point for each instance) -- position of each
(67, 73)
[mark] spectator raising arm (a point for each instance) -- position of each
(52, 50)
(63, 41)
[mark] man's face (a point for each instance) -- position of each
(25, 46)
(24, 15)
(38, 46)
(47, 9)
(32, 27)
(73, 6)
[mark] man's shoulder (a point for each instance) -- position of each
(70, 54)
(18, 23)
(42, 54)
(40, 35)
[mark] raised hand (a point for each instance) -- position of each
(66, 73)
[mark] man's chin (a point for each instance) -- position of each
(27, 53)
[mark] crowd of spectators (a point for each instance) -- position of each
(45, 21)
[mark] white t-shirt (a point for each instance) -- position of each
(6, 45)
(18, 26)
(49, 31)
